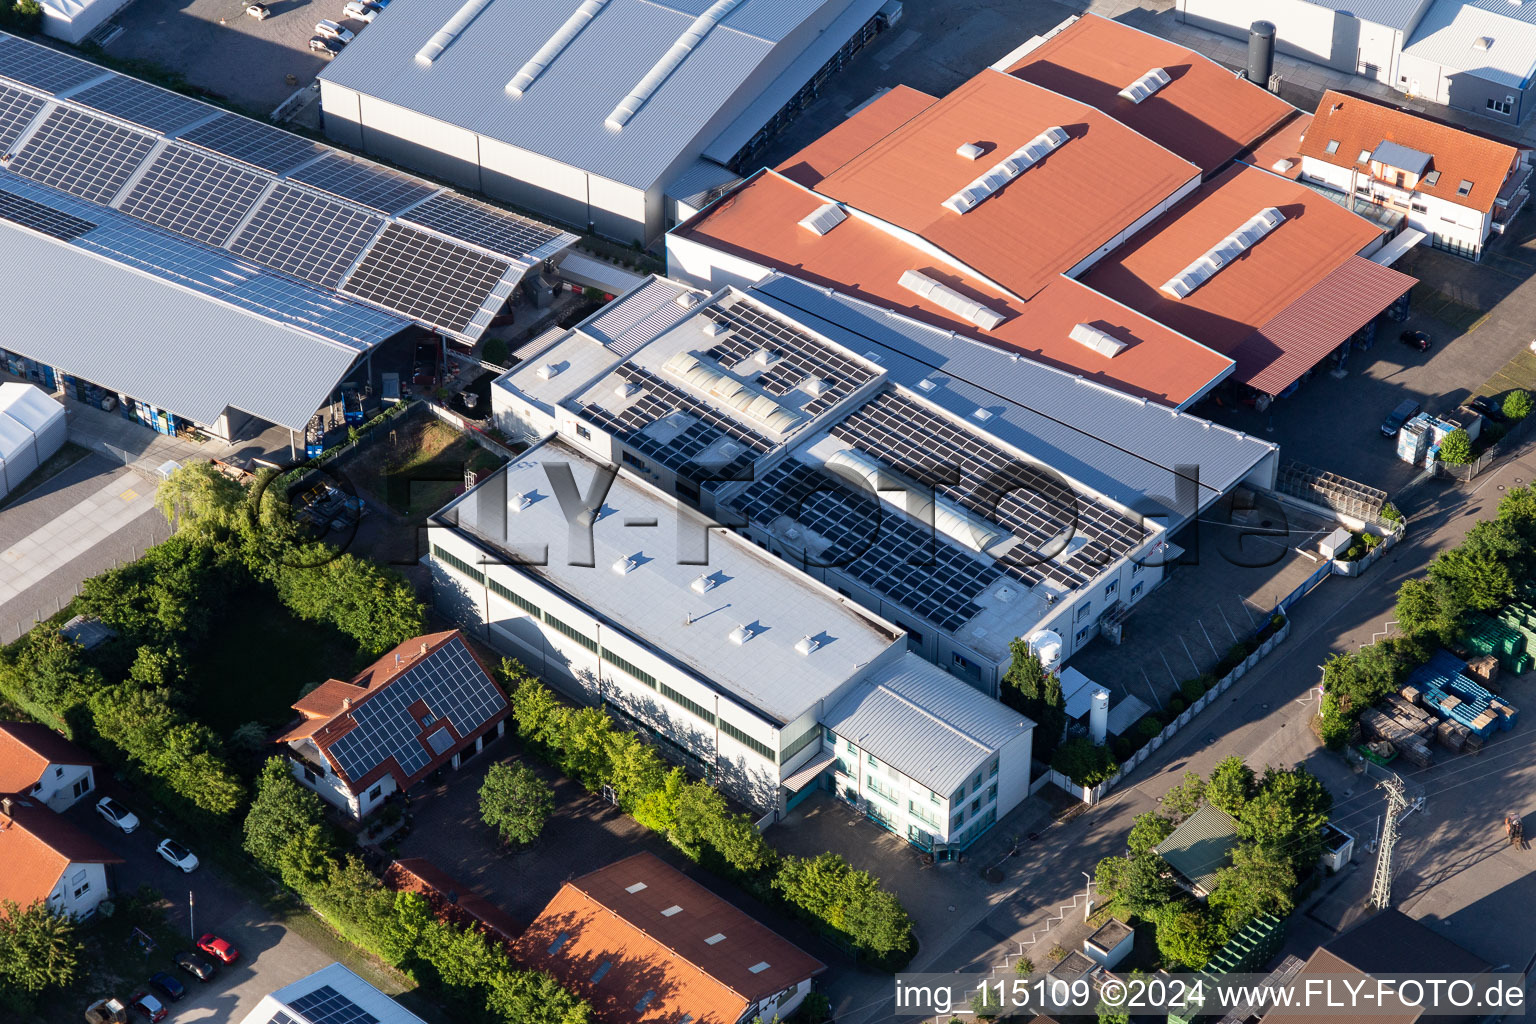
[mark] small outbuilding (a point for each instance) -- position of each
(32, 428)
(1200, 847)
(1110, 944)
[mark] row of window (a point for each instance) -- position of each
(805, 739)
(961, 814)
(763, 749)
(572, 632)
(630, 669)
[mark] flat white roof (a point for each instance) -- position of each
(656, 602)
(329, 996)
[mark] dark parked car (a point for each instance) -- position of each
(1489, 408)
(1406, 410)
(1415, 339)
(167, 985)
(148, 1007)
(326, 47)
(195, 965)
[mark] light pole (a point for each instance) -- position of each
(192, 916)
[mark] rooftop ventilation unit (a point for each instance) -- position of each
(824, 219)
(1004, 171)
(704, 584)
(1483, 43)
(625, 388)
(711, 328)
(806, 644)
(625, 566)
(813, 386)
(444, 37)
(764, 357)
(519, 501)
(1146, 85)
(1224, 252)
(741, 634)
(970, 151)
(943, 295)
(554, 46)
(687, 300)
(547, 371)
(634, 888)
(630, 105)
(1103, 344)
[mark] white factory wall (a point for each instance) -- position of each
(1310, 31)
(535, 182)
(1463, 88)
(72, 20)
(702, 265)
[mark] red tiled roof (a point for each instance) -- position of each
(1205, 114)
(1042, 223)
(1290, 344)
(1316, 239)
(759, 222)
(451, 899)
(36, 847)
(1358, 124)
(855, 135)
(615, 916)
(1283, 144)
(26, 751)
(327, 710)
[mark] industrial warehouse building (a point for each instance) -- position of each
(1157, 264)
(275, 266)
(617, 116)
(1478, 55)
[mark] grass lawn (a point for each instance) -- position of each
(52, 466)
(259, 658)
(1519, 372)
(420, 466)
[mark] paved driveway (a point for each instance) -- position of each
(271, 957)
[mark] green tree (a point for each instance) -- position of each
(657, 810)
(826, 888)
(1231, 785)
(1456, 448)
(1084, 762)
(533, 997)
(515, 802)
(1030, 689)
(1258, 882)
(1285, 818)
(1426, 609)
(1185, 799)
(373, 605)
(197, 499)
(584, 743)
(1138, 885)
(39, 948)
(634, 768)
(1517, 404)
(1186, 934)
(1147, 831)
(539, 716)
(1475, 577)
(494, 351)
(281, 812)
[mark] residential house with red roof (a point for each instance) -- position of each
(1455, 186)
(46, 858)
(645, 944)
(428, 703)
(43, 766)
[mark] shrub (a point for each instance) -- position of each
(1193, 689)
(1147, 727)
(1517, 404)
(1123, 748)
(495, 351)
(1084, 762)
(1456, 448)
(1176, 706)
(1390, 513)
(1024, 965)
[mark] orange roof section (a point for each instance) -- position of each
(759, 222)
(1205, 114)
(36, 847)
(860, 131)
(1316, 238)
(26, 751)
(1042, 223)
(1283, 145)
(661, 933)
(1357, 124)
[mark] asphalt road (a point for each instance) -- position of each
(1264, 719)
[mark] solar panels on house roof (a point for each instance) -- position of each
(269, 195)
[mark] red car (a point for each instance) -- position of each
(218, 948)
(150, 1008)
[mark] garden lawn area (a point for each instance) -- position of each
(259, 658)
(423, 467)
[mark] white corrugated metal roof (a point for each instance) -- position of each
(562, 113)
(1396, 14)
(184, 352)
(1130, 450)
(922, 721)
(1449, 30)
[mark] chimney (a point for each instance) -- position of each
(1261, 52)
(397, 659)
(5, 806)
(423, 647)
(346, 702)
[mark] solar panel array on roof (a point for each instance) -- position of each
(34, 215)
(452, 685)
(797, 358)
(17, 109)
(132, 100)
(260, 145)
(306, 235)
(194, 194)
(327, 1006)
(83, 155)
(426, 277)
(485, 226)
(368, 184)
(43, 68)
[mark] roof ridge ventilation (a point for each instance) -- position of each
(1223, 252)
(444, 37)
(824, 218)
(1146, 85)
(982, 316)
(1005, 170)
(630, 105)
(1102, 343)
(554, 46)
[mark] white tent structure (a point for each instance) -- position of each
(32, 428)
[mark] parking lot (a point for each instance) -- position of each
(216, 48)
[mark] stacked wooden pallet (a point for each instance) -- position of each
(1452, 735)
(1404, 726)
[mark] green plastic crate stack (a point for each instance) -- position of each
(1245, 953)
(1489, 636)
(1521, 617)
